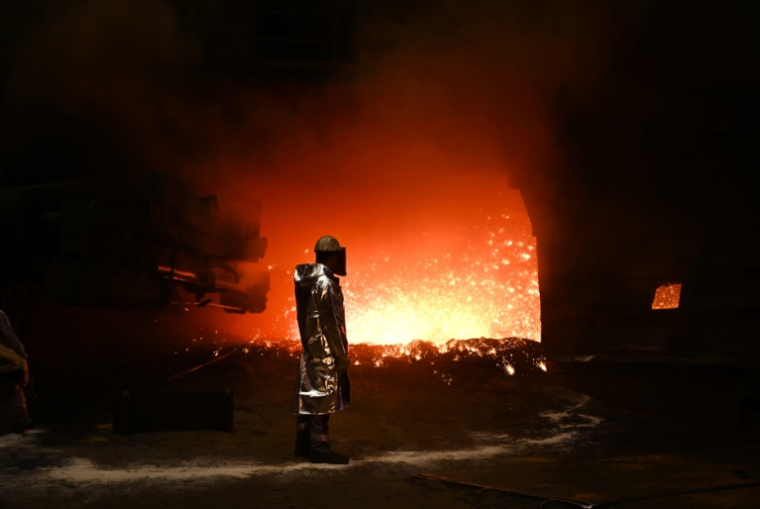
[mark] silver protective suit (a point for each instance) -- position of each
(322, 384)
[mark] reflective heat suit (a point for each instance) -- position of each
(322, 385)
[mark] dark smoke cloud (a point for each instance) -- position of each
(446, 99)
(489, 69)
(434, 72)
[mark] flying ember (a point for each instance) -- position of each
(484, 285)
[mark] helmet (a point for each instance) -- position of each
(329, 244)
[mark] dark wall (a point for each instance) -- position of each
(658, 186)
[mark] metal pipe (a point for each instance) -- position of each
(201, 366)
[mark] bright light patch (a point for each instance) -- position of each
(667, 296)
(468, 292)
(462, 268)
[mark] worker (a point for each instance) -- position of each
(322, 385)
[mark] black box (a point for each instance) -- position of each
(136, 412)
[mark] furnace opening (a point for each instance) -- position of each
(467, 281)
(459, 263)
(667, 296)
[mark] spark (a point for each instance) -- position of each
(475, 292)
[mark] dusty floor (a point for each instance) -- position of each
(465, 419)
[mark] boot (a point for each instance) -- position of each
(330, 457)
(319, 442)
(321, 453)
(302, 443)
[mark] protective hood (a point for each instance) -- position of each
(341, 268)
(327, 244)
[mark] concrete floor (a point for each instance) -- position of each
(466, 419)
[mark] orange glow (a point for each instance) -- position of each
(443, 276)
(667, 296)
(439, 246)
(511, 356)
(484, 285)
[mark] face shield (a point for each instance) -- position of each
(340, 265)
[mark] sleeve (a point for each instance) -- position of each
(333, 322)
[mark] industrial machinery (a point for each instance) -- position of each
(144, 239)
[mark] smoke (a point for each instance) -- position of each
(445, 107)
(491, 69)
(471, 84)
(446, 103)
